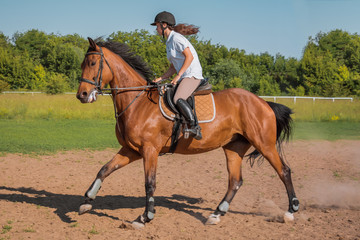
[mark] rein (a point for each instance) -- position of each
(158, 86)
(144, 88)
(97, 82)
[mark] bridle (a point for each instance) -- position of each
(97, 81)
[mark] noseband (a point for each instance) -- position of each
(97, 81)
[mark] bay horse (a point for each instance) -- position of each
(242, 120)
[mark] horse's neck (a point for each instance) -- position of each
(126, 101)
(125, 76)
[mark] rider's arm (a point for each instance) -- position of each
(171, 71)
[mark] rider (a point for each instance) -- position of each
(184, 61)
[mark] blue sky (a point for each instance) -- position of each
(257, 26)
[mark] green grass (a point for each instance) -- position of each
(42, 106)
(6, 228)
(93, 231)
(326, 130)
(44, 136)
(323, 110)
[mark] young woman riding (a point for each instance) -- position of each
(184, 61)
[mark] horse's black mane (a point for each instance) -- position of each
(124, 51)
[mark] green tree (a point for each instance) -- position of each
(330, 64)
(150, 47)
(226, 74)
(31, 42)
(4, 41)
(56, 83)
(268, 86)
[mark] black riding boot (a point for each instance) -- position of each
(185, 110)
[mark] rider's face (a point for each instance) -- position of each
(159, 29)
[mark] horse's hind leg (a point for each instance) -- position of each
(234, 152)
(121, 159)
(284, 172)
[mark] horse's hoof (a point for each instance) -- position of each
(213, 219)
(288, 217)
(137, 225)
(84, 208)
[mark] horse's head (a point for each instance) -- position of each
(96, 73)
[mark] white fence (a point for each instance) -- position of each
(313, 98)
(32, 93)
(272, 97)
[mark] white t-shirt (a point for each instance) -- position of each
(175, 45)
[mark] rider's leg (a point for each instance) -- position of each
(185, 110)
(186, 87)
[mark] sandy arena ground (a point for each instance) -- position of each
(40, 196)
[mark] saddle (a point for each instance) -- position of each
(169, 110)
(204, 88)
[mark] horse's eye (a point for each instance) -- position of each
(93, 63)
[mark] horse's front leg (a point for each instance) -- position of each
(121, 159)
(150, 156)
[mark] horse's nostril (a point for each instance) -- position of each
(81, 95)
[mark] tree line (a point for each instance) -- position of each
(330, 65)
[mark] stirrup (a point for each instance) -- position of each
(194, 132)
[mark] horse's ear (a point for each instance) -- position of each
(92, 43)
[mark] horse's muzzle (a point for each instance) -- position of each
(86, 97)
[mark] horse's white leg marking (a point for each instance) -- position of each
(295, 207)
(224, 206)
(94, 190)
(151, 215)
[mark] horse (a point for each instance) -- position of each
(242, 120)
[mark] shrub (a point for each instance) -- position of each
(56, 83)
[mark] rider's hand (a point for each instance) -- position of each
(175, 79)
(157, 79)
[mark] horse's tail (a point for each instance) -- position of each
(283, 129)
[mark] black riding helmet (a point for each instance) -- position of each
(164, 17)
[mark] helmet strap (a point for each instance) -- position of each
(163, 29)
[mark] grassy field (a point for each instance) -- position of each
(44, 124)
(42, 106)
(323, 110)
(326, 130)
(49, 136)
